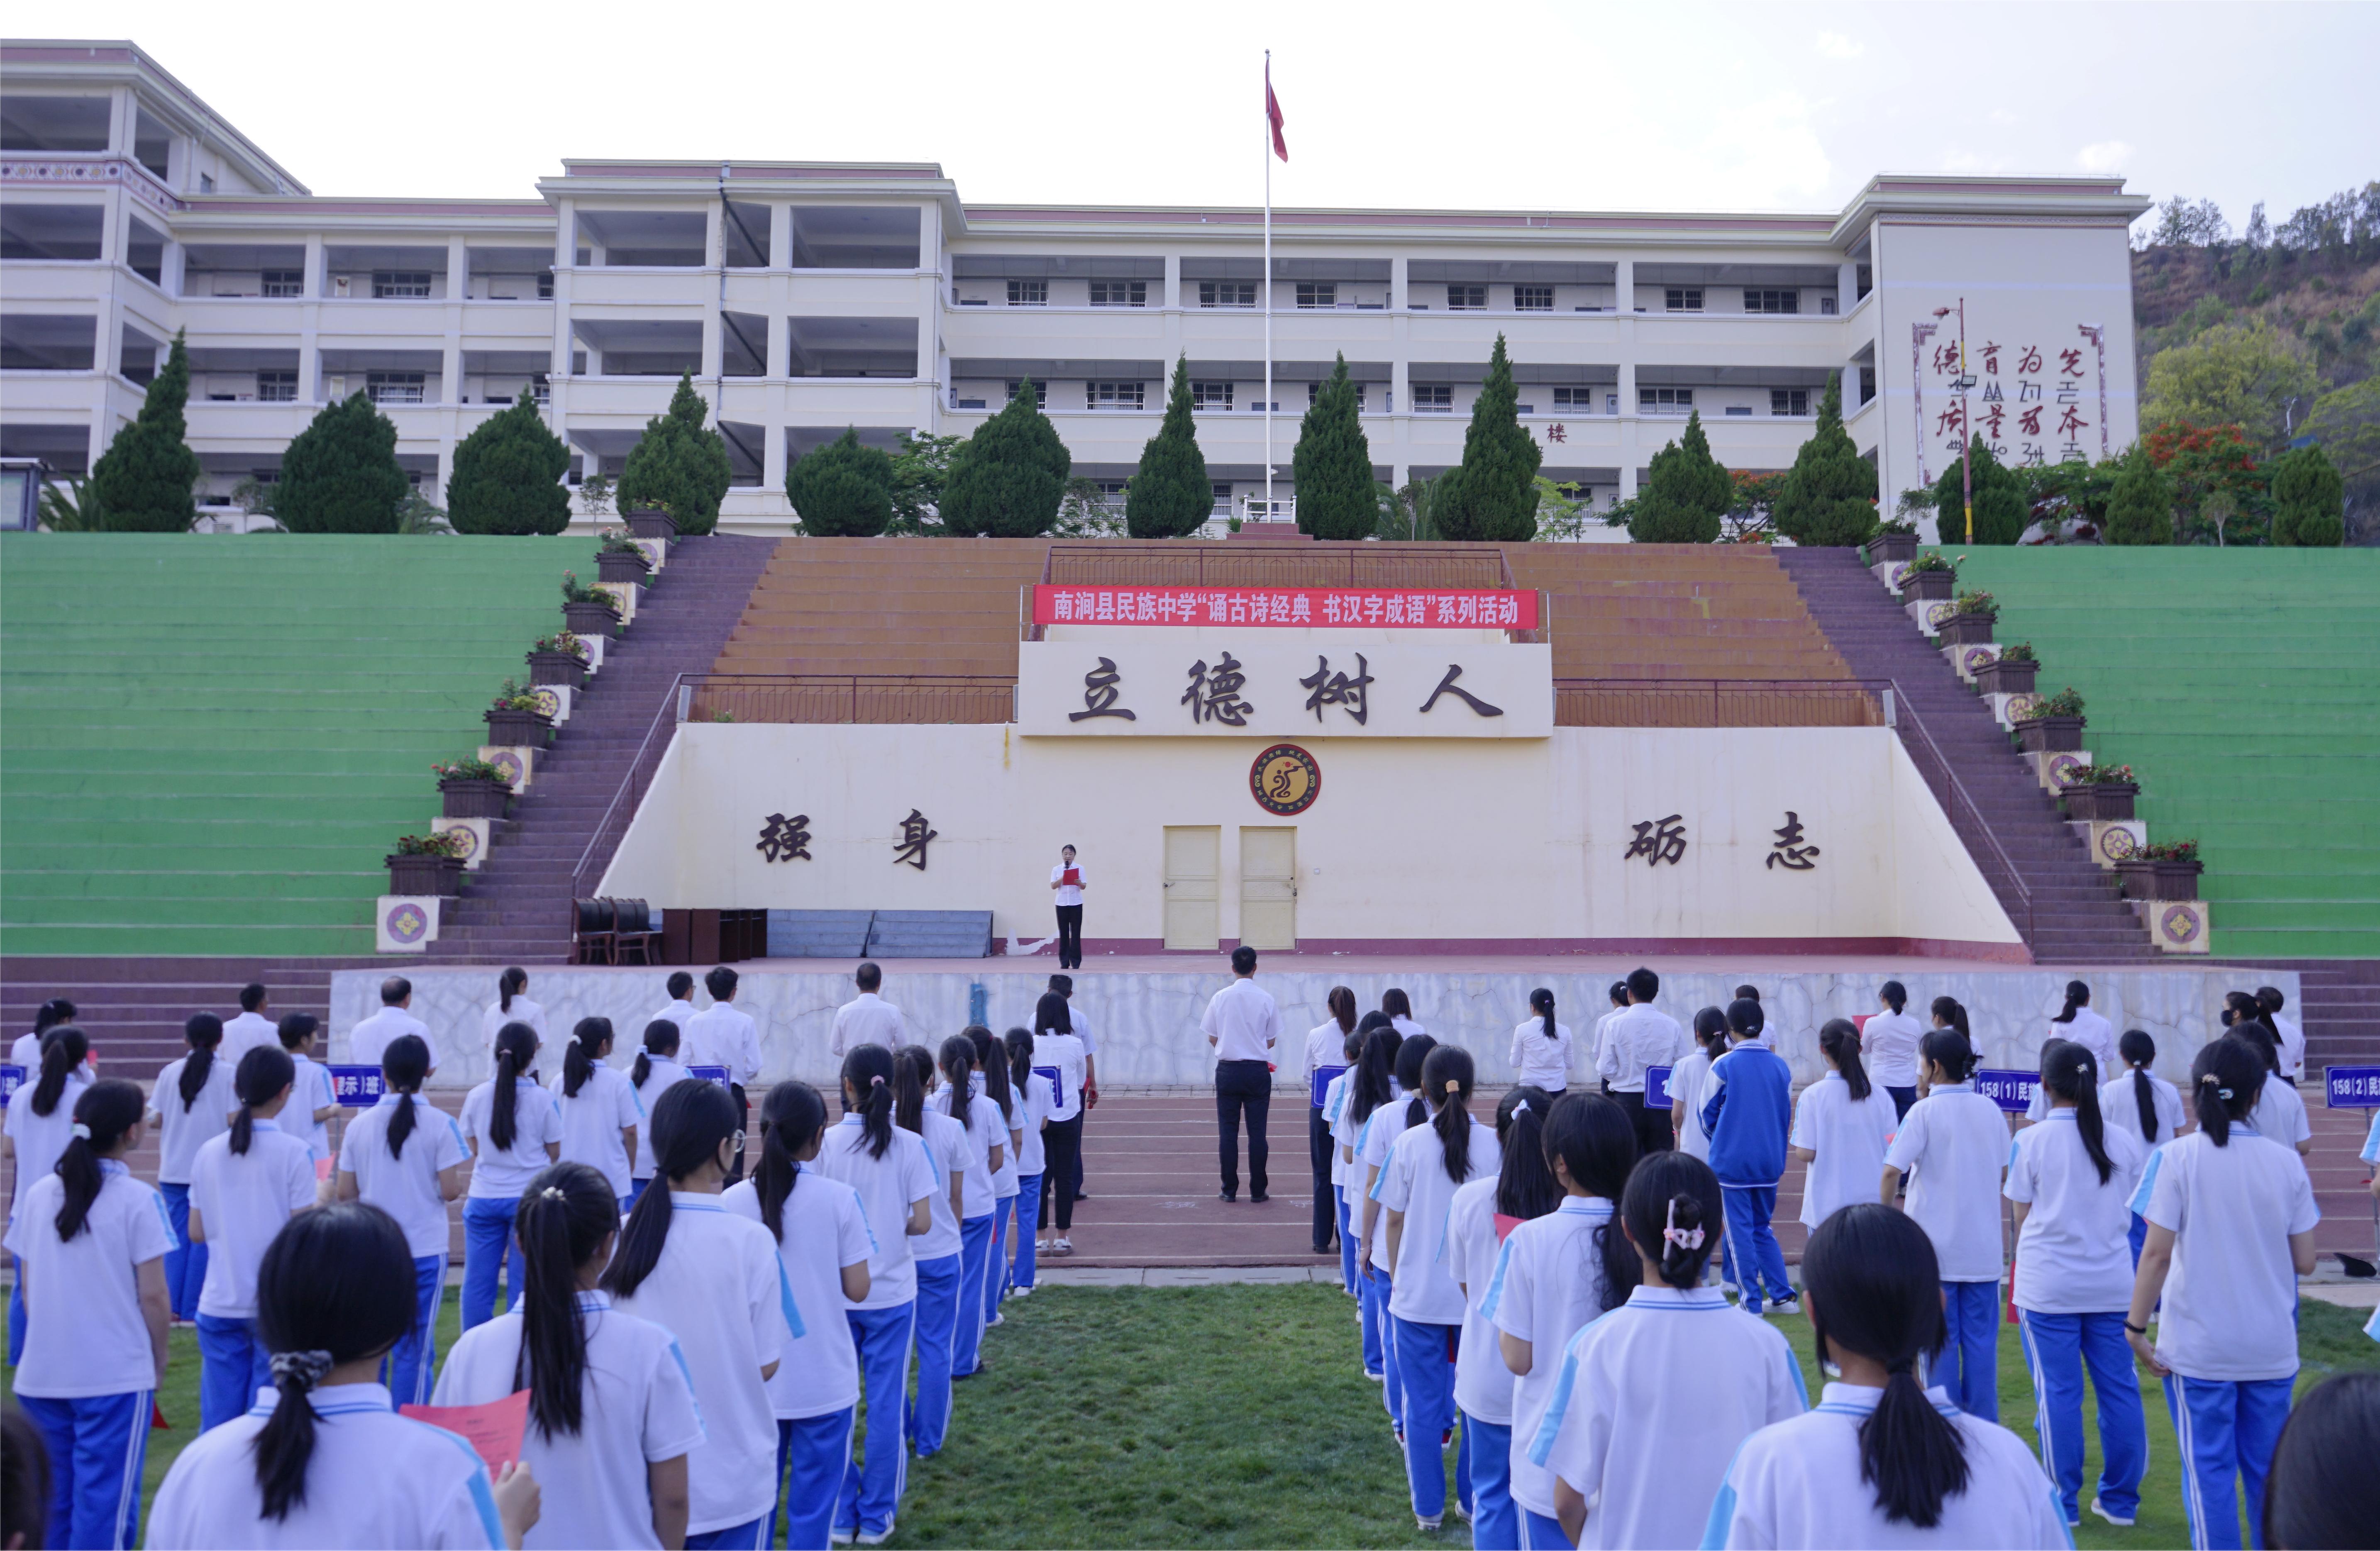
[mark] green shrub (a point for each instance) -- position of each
(1681, 503)
(1332, 465)
(2309, 499)
(2141, 510)
(508, 475)
(1491, 496)
(1828, 497)
(1169, 496)
(842, 490)
(144, 482)
(1006, 479)
(340, 474)
(679, 464)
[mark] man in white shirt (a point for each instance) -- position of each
(866, 1019)
(1065, 985)
(254, 1028)
(2293, 1037)
(722, 1035)
(1067, 883)
(679, 1009)
(1243, 1023)
(369, 1039)
(1640, 1037)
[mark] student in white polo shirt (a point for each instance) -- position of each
(511, 1006)
(515, 1128)
(408, 1160)
(40, 1124)
(1035, 1099)
(324, 1460)
(1888, 1045)
(992, 1081)
(1380, 1132)
(725, 1035)
(313, 1090)
(2143, 1105)
(1541, 1047)
(253, 1026)
(2290, 1035)
(611, 1415)
(369, 1039)
(1371, 1087)
(655, 1068)
(1690, 1083)
(1841, 1126)
(91, 1242)
(1324, 1045)
(713, 1279)
(600, 1111)
(1635, 1040)
(1617, 994)
(2281, 1113)
(679, 1009)
(244, 1186)
(2075, 1020)
(27, 1051)
(940, 1254)
(1055, 1043)
(1957, 1142)
(1333, 1112)
(2231, 1218)
(190, 1105)
(820, 1229)
(961, 1100)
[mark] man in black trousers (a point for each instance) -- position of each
(1243, 1023)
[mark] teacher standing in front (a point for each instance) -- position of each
(1242, 1024)
(1066, 883)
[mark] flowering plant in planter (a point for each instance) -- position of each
(513, 697)
(1897, 529)
(562, 640)
(1973, 601)
(576, 591)
(2171, 851)
(1932, 560)
(617, 541)
(470, 770)
(444, 842)
(2066, 702)
(2019, 651)
(2102, 775)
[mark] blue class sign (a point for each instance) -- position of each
(2343, 1087)
(356, 1087)
(1057, 1085)
(1322, 1078)
(717, 1075)
(11, 1079)
(1657, 1088)
(2012, 1091)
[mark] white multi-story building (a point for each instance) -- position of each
(806, 297)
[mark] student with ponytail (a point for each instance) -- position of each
(511, 1006)
(1690, 1077)
(190, 1105)
(2071, 1177)
(896, 1182)
(2144, 1105)
(26, 1049)
(1957, 1141)
(1889, 1045)
(1654, 1398)
(1426, 1166)
(1555, 1272)
(92, 1244)
(1334, 1115)
(408, 1157)
(941, 1251)
(516, 1129)
(2232, 1218)
(41, 1114)
(1324, 1048)
(2279, 1114)
(245, 1185)
(1541, 1047)
(656, 1067)
(324, 1460)
(1881, 1460)
(2075, 1020)
(987, 1152)
(1036, 1099)
(1841, 1126)
(992, 1077)
(820, 1229)
(600, 1111)
(711, 1278)
(612, 1417)
(1410, 1108)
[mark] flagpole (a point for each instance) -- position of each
(1267, 115)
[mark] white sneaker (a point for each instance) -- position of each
(841, 1537)
(1018, 1292)
(1430, 1525)
(876, 1537)
(2120, 1523)
(1061, 1246)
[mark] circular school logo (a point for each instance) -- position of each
(1941, 611)
(2117, 843)
(2180, 923)
(2019, 705)
(2062, 767)
(548, 700)
(1900, 576)
(405, 924)
(508, 765)
(1285, 779)
(469, 839)
(1973, 658)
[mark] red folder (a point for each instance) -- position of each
(1072, 877)
(495, 1429)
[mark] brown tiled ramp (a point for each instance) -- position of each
(1674, 611)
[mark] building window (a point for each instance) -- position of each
(1041, 394)
(1827, 305)
(400, 283)
(545, 286)
(277, 387)
(1867, 383)
(1867, 281)
(1739, 409)
(1433, 399)
(1578, 401)
(1112, 395)
(206, 182)
(1119, 293)
(1466, 298)
(1685, 298)
(1210, 396)
(1028, 293)
(1665, 401)
(1221, 489)
(1318, 293)
(1314, 392)
(1533, 298)
(1227, 293)
(541, 390)
(1788, 401)
(395, 387)
(1112, 494)
(283, 283)
(1772, 301)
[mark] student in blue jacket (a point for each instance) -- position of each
(1747, 1117)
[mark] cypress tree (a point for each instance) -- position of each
(2002, 514)
(842, 490)
(1332, 466)
(340, 475)
(1689, 489)
(508, 474)
(1492, 495)
(1007, 478)
(1169, 494)
(143, 483)
(1829, 496)
(2141, 510)
(679, 464)
(2309, 499)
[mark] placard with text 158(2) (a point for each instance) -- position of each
(1285, 779)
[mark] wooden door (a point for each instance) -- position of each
(1268, 886)
(1193, 862)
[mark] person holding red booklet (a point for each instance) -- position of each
(1066, 883)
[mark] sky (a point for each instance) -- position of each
(1651, 106)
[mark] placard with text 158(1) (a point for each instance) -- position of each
(1285, 779)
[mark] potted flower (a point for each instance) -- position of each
(514, 720)
(429, 863)
(2052, 724)
(560, 657)
(2100, 792)
(2168, 871)
(1969, 620)
(587, 611)
(620, 561)
(652, 521)
(2011, 672)
(471, 789)
(1929, 581)
(1894, 542)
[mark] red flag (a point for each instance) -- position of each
(1272, 115)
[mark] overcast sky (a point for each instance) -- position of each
(1650, 105)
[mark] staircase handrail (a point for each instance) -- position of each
(626, 796)
(1953, 794)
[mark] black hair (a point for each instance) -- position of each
(1840, 1037)
(205, 1032)
(1396, 1004)
(881, 1083)
(1893, 994)
(336, 1285)
(1376, 1066)
(565, 1214)
(1449, 1077)
(1541, 1002)
(721, 983)
(2269, 997)
(2077, 995)
(587, 1036)
(1642, 984)
(1351, 1047)
(1747, 993)
(1875, 1289)
(63, 1049)
(403, 1066)
(661, 1039)
(2226, 1080)
(1618, 993)
(262, 1073)
(51, 1013)
(296, 1028)
(2268, 1048)
(1049, 1015)
(510, 984)
(909, 1097)
(867, 976)
(1412, 1056)
(2071, 1071)
(2139, 1050)
(689, 1122)
(1063, 984)
(1675, 1189)
(1243, 959)
(1710, 1028)
(1342, 1003)
(1949, 1050)
(24, 1481)
(251, 996)
(1953, 1016)
(515, 1047)
(2321, 1492)
(393, 989)
(1019, 1041)
(2246, 1008)
(1596, 1143)
(993, 1061)
(958, 1069)
(108, 1110)
(1745, 1017)
(681, 985)
(1525, 1186)
(792, 1117)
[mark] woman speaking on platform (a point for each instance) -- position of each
(1066, 881)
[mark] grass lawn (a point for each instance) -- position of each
(1241, 1416)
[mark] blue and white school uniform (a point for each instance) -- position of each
(1483, 1386)
(182, 1131)
(636, 1409)
(1037, 1099)
(90, 1371)
(310, 1089)
(405, 1186)
(1956, 1142)
(940, 1268)
(2120, 1107)
(1379, 1133)
(375, 1480)
(1005, 1188)
(720, 1289)
(498, 1177)
(1888, 1043)
(985, 1129)
(2073, 1290)
(1651, 1403)
(1547, 1285)
(1748, 1111)
(1797, 1483)
(1686, 1083)
(2227, 1329)
(2280, 1114)
(605, 1106)
(241, 1201)
(1334, 1110)
(659, 1072)
(39, 1140)
(1849, 1135)
(815, 1392)
(1425, 1302)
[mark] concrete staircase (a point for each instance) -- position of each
(134, 1007)
(2075, 916)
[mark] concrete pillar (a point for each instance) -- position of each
(781, 237)
(123, 110)
(780, 336)
(169, 275)
(772, 458)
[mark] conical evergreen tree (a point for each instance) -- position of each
(1689, 489)
(1169, 494)
(1007, 478)
(1492, 496)
(2001, 512)
(1829, 493)
(1332, 466)
(2140, 511)
(508, 474)
(679, 464)
(842, 490)
(144, 482)
(340, 475)
(2309, 499)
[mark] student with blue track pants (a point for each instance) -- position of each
(2231, 1218)
(1381, 1129)
(1036, 1097)
(985, 1129)
(190, 1106)
(1334, 1114)
(940, 1259)
(1748, 1116)
(1957, 1141)
(1523, 1188)
(41, 1113)
(245, 1186)
(888, 1167)
(517, 1128)
(406, 1159)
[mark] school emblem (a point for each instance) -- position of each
(548, 700)
(1941, 611)
(508, 765)
(407, 922)
(2180, 923)
(2062, 767)
(1285, 779)
(1975, 656)
(467, 838)
(2115, 843)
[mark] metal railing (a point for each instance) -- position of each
(1966, 817)
(614, 825)
(868, 699)
(1723, 703)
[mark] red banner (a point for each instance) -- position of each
(1296, 608)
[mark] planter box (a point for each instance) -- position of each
(464, 798)
(517, 761)
(2000, 676)
(556, 667)
(516, 729)
(2049, 734)
(2115, 841)
(2146, 879)
(1964, 629)
(612, 566)
(589, 619)
(2174, 925)
(1929, 585)
(1887, 548)
(2056, 771)
(432, 877)
(1965, 660)
(2106, 801)
(651, 525)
